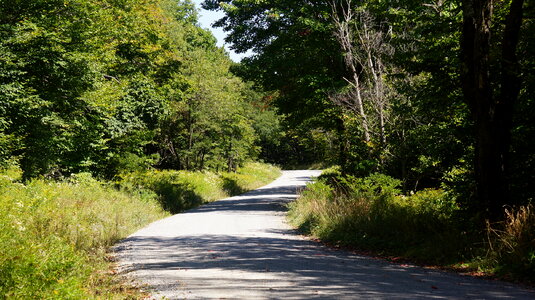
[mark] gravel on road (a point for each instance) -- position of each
(242, 248)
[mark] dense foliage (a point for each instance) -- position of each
(112, 89)
(379, 86)
(114, 86)
(433, 98)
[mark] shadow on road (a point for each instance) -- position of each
(271, 261)
(301, 269)
(266, 199)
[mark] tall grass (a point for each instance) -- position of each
(511, 244)
(370, 213)
(248, 177)
(177, 190)
(54, 235)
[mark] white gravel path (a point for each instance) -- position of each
(242, 248)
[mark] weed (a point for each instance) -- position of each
(370, 213)
(511, 244)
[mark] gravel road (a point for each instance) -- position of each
(242, 248)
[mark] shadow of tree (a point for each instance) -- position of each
(300, 269)
(201, 258)
(176, 197)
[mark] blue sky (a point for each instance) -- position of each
(207, 18)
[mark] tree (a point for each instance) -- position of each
(297, 60)
(344, 18)
(364, 46)
(491, 102)
(95, 85)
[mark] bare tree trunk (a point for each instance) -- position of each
(382, 126)
(379, 95)
(363, 46)
(345, 38)
(374, 45)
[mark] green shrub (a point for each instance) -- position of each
(370, 213)
(432, 202)
(332, 172)
(376, 186)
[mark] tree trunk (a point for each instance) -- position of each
(344, 36)
(510, 81)
(492, 115)
(342, 144)
(360, 105)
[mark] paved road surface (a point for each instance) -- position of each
(242, 248)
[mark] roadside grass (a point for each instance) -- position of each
(426, 227)
(511, 245)
(56, 236)
(309, 166)
(248, 177)
(181, 190)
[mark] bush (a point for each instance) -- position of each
(370, 213)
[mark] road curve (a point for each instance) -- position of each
(242, 248)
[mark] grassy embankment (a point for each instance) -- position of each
(55, 235)
(180, 190)
(427, 227)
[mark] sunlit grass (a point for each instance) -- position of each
(55, 235)
(181, 190)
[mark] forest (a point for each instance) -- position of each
(422, 114)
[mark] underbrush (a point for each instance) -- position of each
(55, 236)
(372, 214)
(181, 190)
(511, 245)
